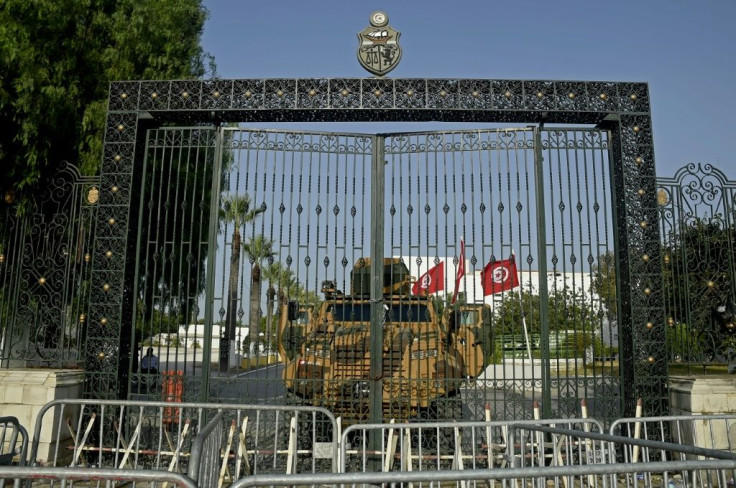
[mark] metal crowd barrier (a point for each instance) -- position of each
(449, 445)
(706, 431)
(549, 439)
(51, 477)
(205, 463)
(13, 441)
(617, 475)
(160, 436)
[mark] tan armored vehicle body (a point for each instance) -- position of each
(423, 361)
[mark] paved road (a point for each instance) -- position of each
(513, 400)
(262, 385)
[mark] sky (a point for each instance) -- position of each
(684, 49)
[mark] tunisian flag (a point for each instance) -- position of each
(430, 282)
(499, 276)
(460, 270)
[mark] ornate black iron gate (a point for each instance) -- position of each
(45, 254)
(153, 258)
(287, 212)
(697, 219)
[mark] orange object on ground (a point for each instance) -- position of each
(173, 389)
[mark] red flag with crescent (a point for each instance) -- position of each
(430, 282)
(499, 276)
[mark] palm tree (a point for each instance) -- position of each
(277, 276)
(258, 249)
(239, 210)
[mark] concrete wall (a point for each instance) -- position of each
(23, 392)
(706, 395)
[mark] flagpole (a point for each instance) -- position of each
(526, 338)
(523, 319)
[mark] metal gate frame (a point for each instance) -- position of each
(621, 108)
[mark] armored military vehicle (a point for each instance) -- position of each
(423, 362)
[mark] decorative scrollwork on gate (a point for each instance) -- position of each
(44, 279)
(698, 264)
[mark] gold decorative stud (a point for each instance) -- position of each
(108, 254)
(443, 93)
(121, 127)
(184, 94)
(2, 258)
(105, 287)
(111, 221)
(671, 322)
(103, 320)
(377, 93)
(636, 128)
(641, 192)
(650, 325)
(571, 95)
(647, 291)
(216, 94)
(344, 93)
(667, 258)
(42, 281)
(154, 95)
(312, 92)
(114, 189)
(633, 97)
(248, 94)
(639, 160)
(82, 318)
(603, 96)
(643, 224)
(475, 94)
(117, 157)
(280, 93)
(711, 284)
(87, 257)
(650, 359)
(645, 258)
(101, 355)
(123, 95)
(410, 93)
(508, 94)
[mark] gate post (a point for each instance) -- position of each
(542, 269)
(377, 313)
(642, 347)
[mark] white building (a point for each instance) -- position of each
(196, 333)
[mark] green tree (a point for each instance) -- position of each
(515, 306)
(58, 59)
(567, 311)
(239, 211)
(279, 279)
(258, 249)
(699, 265)
(603, 284)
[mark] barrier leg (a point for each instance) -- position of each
(242, 451)
(226, 455)
(175, 458)
(291, 456)
(390, 448)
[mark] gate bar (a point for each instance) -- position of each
(542, 271)
(377, 236)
